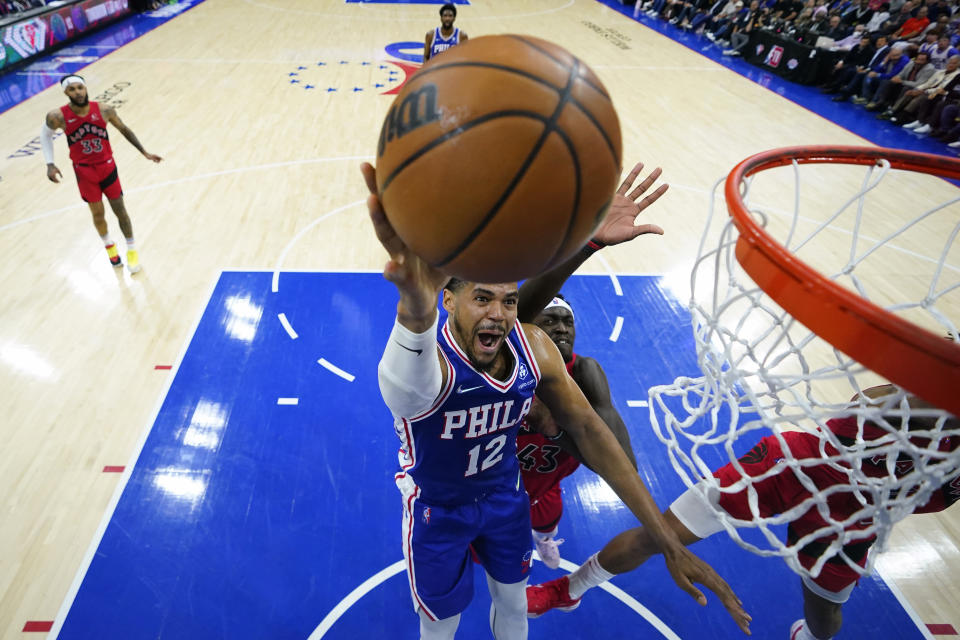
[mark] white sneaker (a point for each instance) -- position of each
(923, 129)
(547, 549)
(796, 628)
(954, 145)
(912, 125)
(731, 52)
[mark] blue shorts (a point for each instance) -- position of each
(436, 546)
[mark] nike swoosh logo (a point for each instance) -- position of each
(416, 351)
(460, 388)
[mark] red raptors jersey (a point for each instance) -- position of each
(87, 136)
(543, 464)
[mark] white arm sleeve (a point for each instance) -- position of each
(46, 142)
(409, 371)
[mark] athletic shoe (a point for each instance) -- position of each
(731, 52)
(550, 595)
(923, 129)
(912, 125)
(114, 256)
(954, 145)
(710, 36)
(549, 555)
(796, 628)
(133, 261)
(859, 100)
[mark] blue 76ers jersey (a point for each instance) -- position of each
(441, 44)
(465, 445)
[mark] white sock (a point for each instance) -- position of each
(589, 575)
(130, 245)
(107, 240)
(804, 634)
(543, 536)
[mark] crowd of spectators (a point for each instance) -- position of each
(12, 7)
(895, 58)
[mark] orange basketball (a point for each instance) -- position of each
(499, 158)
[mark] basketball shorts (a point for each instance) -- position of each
(546, 510)
(437, 541)
(775, 494)
(98, 180)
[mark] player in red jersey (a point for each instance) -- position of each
(693, 519)
(85, 125)
(545, 461)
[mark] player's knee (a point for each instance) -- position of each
(509, 599)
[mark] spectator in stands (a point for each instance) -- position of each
(845, 68)
(880, 16)
(743, 25)
(898, 18)
(942, 52)
(915, 103)
(875, 66)
(892, 66)
(913, 27)
(938, 8)
(719, 26)
(859, 13)
(836, 30)
(851, 40)
(915, 73)
(948, 129)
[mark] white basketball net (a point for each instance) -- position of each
(764, 373)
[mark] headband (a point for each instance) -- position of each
(66, 82)
(559, 302)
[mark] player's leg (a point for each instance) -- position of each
(90, 191)
(436, 549)
(115, 197)
(100, 223)
(504, 549)
(544, 518)
(823, 598)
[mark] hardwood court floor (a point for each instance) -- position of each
(261, 172)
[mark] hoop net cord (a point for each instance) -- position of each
(760, 379)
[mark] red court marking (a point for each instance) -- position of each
(942, 630)
(113, 469)
(38, 625)
(408, 70)
(163, 367)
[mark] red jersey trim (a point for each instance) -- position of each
(503, 387)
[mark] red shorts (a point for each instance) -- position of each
(546, 510)
(97, 180)
(783, 490)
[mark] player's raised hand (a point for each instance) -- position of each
(417, 282)
(620, 223)
(687, 569)
(152, 156)
(53, 173)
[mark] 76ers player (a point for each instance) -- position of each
(85, 125)
(441, 38)
(458, 396)
(545, 460)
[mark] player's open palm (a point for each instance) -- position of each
(687, 569)
(620, 223)
(417, 281)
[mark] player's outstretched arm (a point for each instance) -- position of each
(593, 382)
(51, 123)
(111, 116)
(618, 226)
(600, 449)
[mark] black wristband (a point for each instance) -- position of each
(593, 245)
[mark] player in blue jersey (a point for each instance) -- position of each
(458, 396)
(441, 38)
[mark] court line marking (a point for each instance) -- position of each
(383, 575)
(275, 284)
(637, 403)
(201, 176)
(287, 326)
(618, 325)
(329, 366)
(890, 584)
(611, 273)
(290, 402)
(364, 14)
(127, 473)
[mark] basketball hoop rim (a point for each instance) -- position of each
(912, 357)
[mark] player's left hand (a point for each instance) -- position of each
(620, 223)
(152, 156)
(687, 569)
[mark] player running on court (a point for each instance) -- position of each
(85, 125)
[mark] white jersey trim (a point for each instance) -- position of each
(528, 352)
(502, 387)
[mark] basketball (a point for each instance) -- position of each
(499, 158)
